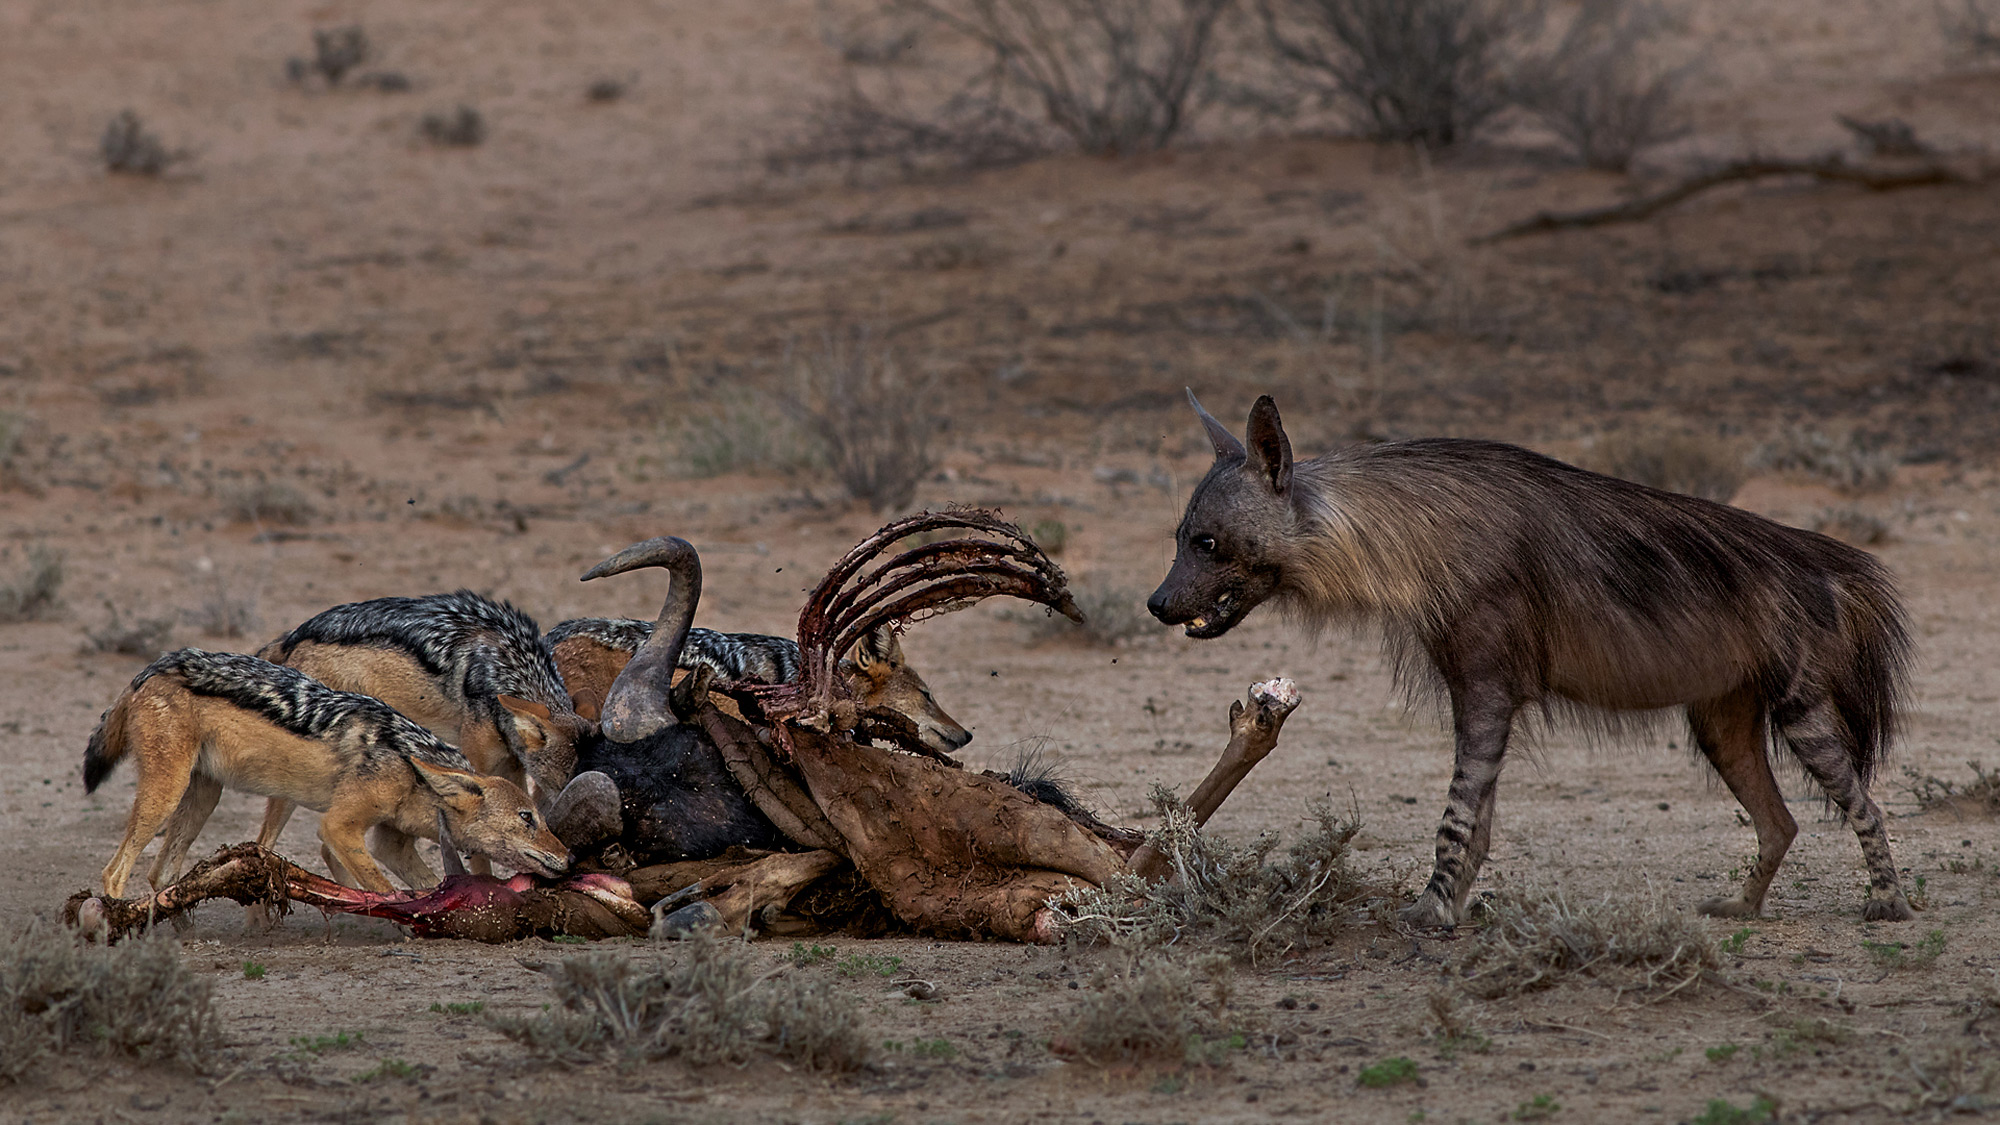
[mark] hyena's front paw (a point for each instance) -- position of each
(1729, 908)
(1428, 912)
(1894, 909)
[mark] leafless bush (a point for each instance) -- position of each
(136, 998)
(1596, 91)
(1232, 895)
(34, 595)
(875, 423)
(463, 128)
(268, 501)
(1111, 614)
(605, 90)
(1933, 792)
(1842, 460)
(1890, 137)
(134, 636)
(128, 147)
(885, 36)
(1146, 1004)
(1539, 939)
(1851, 525)
(1429, 71)
(1692, 464)
(1100, 76)
(1972, 24)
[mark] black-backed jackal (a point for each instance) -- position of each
(471, 670)
(591, 651)
(1517, 581)
(198, 722)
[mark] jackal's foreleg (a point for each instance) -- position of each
(1482, 718)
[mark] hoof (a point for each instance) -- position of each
(1887, 910)
(1427, 913)
(1045, 928)
(683, 923)
(92, 922)
(1729, 908)
(587, 811)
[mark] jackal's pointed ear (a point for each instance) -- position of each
(1270, 449)
(1227, 448)
(447, 782)
(524, 708)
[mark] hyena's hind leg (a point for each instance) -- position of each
(1821, 738)
(1482, 718)
(1730, 732)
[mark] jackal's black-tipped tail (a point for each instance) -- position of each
(107, 746)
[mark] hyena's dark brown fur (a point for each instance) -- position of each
(1522, 582)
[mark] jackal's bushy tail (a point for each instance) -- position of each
(107, 745)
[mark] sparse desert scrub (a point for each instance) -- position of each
(1851, 525)
(708, 1003)
(132, 635)
(1538, 939)
(1971, 25)
(1598, 92)
(226, 605)
(1097, 76)
(742, 432)
(1146, 1005)
(1933, 792)
(1112, 613)
(1431, 72)
(1840, 459)
(336, 51)
(876, 424)
(1236, 896)
(464, 127)
(35, 593)
(137, 998)
(128, 147)
(268, 501)
(1689, 463)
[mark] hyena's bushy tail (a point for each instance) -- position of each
(108, 743)
(1868, 689)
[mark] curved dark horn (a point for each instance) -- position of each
(636, 705)
(1227, 447)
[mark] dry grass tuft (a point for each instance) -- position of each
(1844, 460)
(1234, 896)
(1692, 464)
(743, 433)
(224, 609)
(268, 501)
(1539, 939)
(1972, 25)
(130, 636)
(128, 147)
(1147, 1004)
(464, 127)
(710, 1005)
(36, 593)
(876, 425)
(136, 998)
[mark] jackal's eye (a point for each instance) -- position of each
(527, 818)
(1204, 543)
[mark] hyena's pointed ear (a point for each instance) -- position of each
(447, 782)
(1270, 449)
(1227, 448)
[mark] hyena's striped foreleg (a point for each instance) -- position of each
(1817, 734)
(1481, 720)
(1730, 733)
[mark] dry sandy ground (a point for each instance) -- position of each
(405, 351)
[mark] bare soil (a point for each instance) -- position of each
(322, 359)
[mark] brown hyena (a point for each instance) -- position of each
(1518, 581)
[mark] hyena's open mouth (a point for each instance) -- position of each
(1227, 612)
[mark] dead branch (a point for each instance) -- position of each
(1829, 169)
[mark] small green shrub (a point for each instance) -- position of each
(252, 971)
(1721, 1112)
(1537, 1108)
(868, 964)
(1392, 1071)
(1894, 955)
(458, 1008)
(1722, 1052)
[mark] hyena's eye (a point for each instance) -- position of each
(1204, 543)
